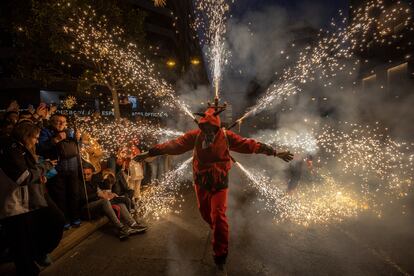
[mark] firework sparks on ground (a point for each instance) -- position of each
(327, 200)
(163, 195)
(317, 203)
(378, 170)
(114, 135)
(211, 20)
(335, 50)
(118, 64)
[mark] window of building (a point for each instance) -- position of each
(369, 82)
(398, 81)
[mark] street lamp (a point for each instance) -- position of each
(171, 63)
(195, 61)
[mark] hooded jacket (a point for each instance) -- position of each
(211, 165)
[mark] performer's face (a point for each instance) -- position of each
(209, 130)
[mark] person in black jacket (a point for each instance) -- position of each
(57, 142)
(34, 233)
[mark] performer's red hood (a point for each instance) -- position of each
(210, 118)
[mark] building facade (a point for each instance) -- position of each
(386, 75)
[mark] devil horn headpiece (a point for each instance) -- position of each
(199, 114)
(216, 106)
(217, 109)
(217, 112)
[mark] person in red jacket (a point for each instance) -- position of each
(211, 147)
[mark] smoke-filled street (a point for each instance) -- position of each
(206, 137)
(179, 244)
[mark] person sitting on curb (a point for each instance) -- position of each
(99, 203)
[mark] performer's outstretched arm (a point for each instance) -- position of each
(241, 144)
(246, 145)
(177, 146)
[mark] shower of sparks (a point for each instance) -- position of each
(378, 170)
(317, 203)
(112, 136)
(275, 93)
(211, 21)
(69, 102)
(335, 50)
(381, 165)
(118, 64)
(164, 195)
(302, 141)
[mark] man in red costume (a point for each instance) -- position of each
(211, 147)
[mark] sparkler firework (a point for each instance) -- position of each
(211, 20)
(163, 195)
(326, 59)
(324, 202)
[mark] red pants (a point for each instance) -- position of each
(212, 206)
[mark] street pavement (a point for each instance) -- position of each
(179, 244)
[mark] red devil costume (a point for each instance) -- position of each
(211, 147)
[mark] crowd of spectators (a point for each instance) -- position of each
(46, 188)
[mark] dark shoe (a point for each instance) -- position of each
(66, 227)
(140, 223)
(123, 233)
(76, 223)
(136, 229)
(220, 260)
(221, 270)
(44, 260)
